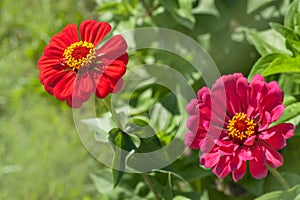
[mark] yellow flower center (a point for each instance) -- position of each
(79, 54)
(241, 127)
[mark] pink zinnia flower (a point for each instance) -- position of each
(230, 124)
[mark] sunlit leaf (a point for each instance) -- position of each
(291, 194)
(283, 64)
(263, 63)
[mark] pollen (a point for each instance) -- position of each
(79, 54)
(241, 127)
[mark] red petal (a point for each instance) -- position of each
(84, 86)
(93, 31)
(114, 69)
(62, 40)
(64, 88)
(118, 86)
(114, 48)
(51, 79)
(103, 87)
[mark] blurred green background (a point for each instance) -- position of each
(41, 154)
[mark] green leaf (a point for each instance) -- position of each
(253, 5)
(180, 197)
(266, 42)
(100, 126)
(292, 11)
(263, 63)
(284, 31)
(206, 7)
(252, 185)
(103, 182)
(294, 46)
(181, 12)
(271, 184)
(283, 64)
(149, 142)
(291, 114)
(291, 194)
(123, 144)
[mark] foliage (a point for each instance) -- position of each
(41, 154)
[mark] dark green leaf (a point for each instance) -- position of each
(252, 185)
(123, 145)
(168, 193)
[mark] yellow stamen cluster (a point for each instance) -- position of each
(79, 54)
(241, 127)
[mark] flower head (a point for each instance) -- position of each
(73, 67)
(231, 124)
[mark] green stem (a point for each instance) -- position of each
(109, 105)
(279, 178)
(148, 182)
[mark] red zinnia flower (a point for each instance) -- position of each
(72, 68)
(235, 129)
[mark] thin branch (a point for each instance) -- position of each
(148, 182)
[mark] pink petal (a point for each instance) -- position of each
(277, 140)
(193, 123)
(245, 154)
(250, 141)
(209, 159)
(192, 140)
(242, 90)
(286, 129)
(258, 168)
(191, 108)
(222, 168)
(274, 159)
(277, 112)
(240, 172)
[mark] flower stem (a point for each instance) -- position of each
(279, 178)
(109, 105)
(148, 182)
